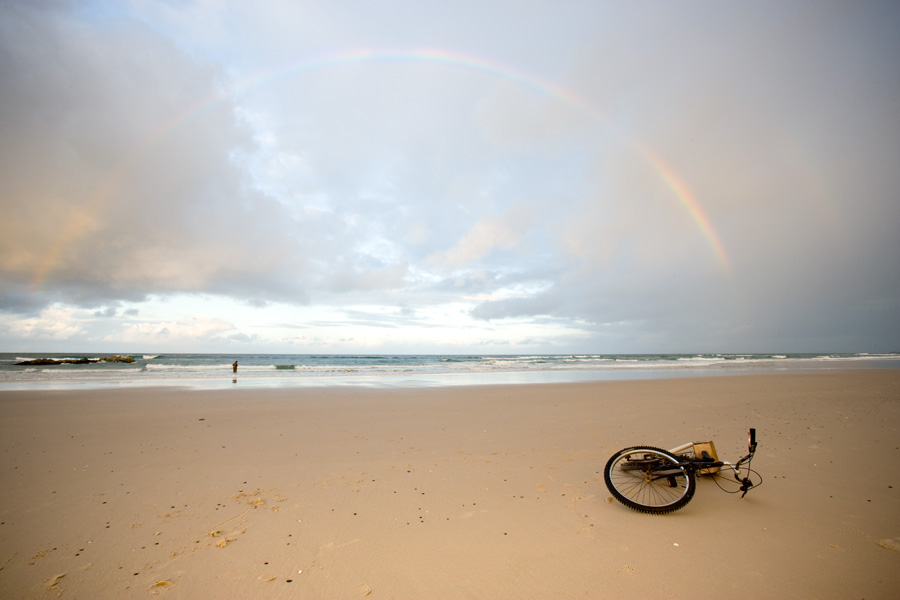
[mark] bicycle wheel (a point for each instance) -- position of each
(649, 480)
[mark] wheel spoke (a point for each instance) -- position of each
(633, 476)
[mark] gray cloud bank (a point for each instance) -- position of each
(133, 166)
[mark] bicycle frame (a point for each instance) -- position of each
(698, 465)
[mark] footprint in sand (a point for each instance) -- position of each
(53, 582)
(890, 544)
(162, 584)
(226, 537)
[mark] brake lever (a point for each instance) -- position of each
(746, 484)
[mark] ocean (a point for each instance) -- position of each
(212, 371)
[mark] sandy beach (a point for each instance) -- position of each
(464, 492)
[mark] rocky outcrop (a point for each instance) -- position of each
(44, 362)
(117, 358)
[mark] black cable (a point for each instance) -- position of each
(737, 482)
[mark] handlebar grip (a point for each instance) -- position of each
(752, 436)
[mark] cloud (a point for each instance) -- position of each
(242, 338)
(530, 306)
(504, 232)
(187, 332)
(234, 152)
(54, 324)
(111, 194)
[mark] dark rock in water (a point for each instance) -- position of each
(118, 358)
(37, 362)
(44, 362)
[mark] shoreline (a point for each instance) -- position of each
(430, 379)
(490, 491)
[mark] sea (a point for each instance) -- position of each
(214, 371)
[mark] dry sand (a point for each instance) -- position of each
(481, 492)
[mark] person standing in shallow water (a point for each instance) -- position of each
(234, 366)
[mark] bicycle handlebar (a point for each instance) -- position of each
(746, 484)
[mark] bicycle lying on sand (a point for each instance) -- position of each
(656, 481)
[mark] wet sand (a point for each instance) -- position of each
(462, 492)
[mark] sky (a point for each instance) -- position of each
(490, 177)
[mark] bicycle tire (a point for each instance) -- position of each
(638, 478)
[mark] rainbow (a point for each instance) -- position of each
(687, 199)
(79, 225)
(424, 55)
